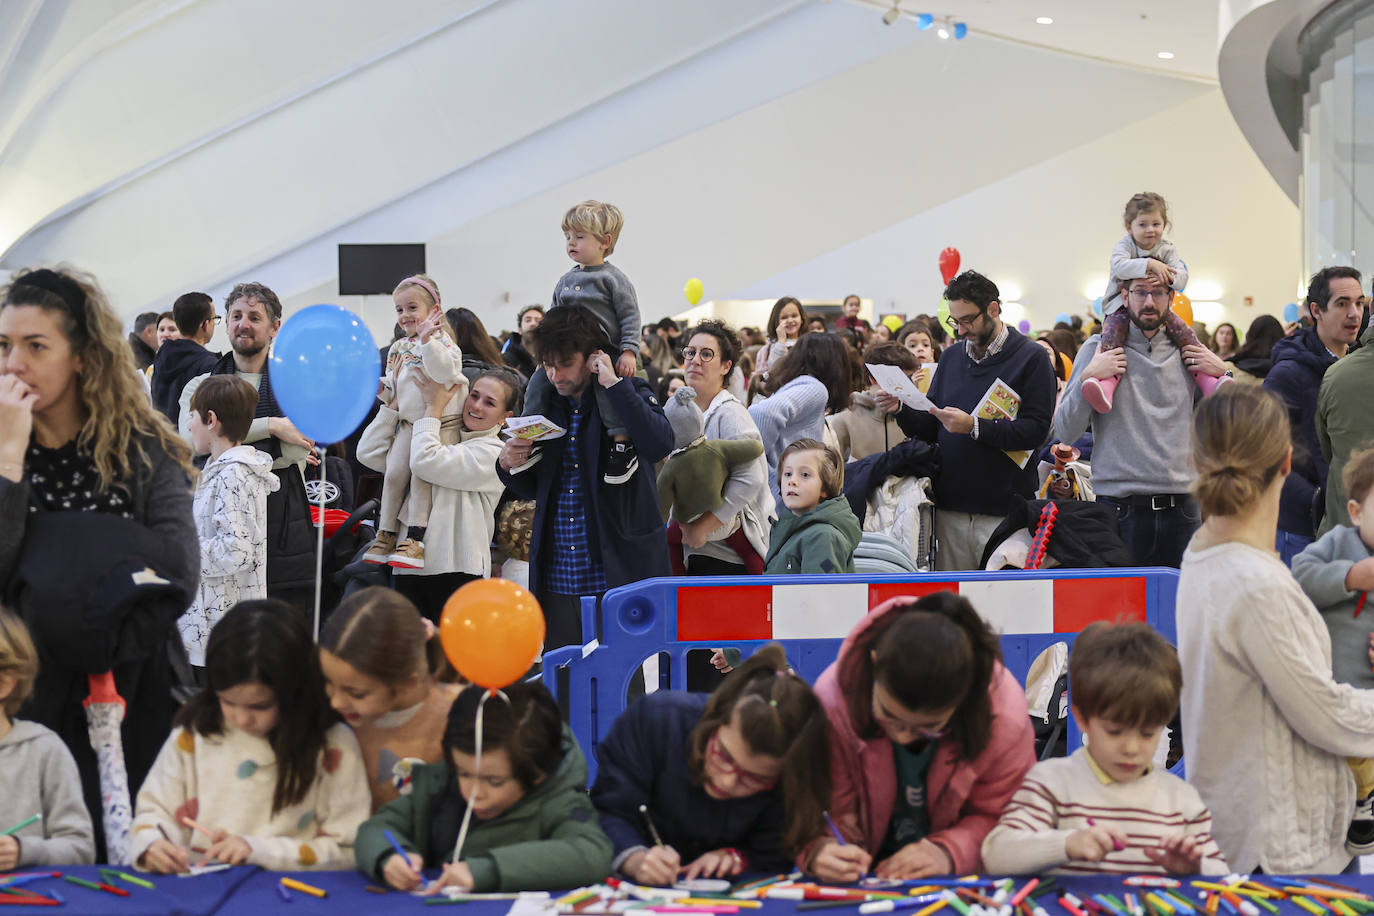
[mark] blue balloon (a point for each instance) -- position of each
(324, 372)
(960, 30)
(1097, 306)
(1063, 318)
(924, 21)
(1290, 312)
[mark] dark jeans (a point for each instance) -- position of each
(1155, 537)
(1289, 545)
(430, 593)
(563, 620)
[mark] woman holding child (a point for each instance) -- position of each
(93, 483)
(457, 456)
(1266, 730)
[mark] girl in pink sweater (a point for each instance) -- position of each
(929, 739)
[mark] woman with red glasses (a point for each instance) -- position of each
(929, 740)
(712, 785)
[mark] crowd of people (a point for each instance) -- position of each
(156, 526)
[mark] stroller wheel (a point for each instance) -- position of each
(330, 490)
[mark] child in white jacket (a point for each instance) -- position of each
(428, 351)
(230, 508)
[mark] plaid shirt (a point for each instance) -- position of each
(572, 571)
(994, 347)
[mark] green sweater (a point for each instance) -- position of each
(1344, 422)
(549, 839)
(821, 540)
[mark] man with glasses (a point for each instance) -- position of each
(179, 361)
(1335, 306)
(1141, 464)
(978, 476)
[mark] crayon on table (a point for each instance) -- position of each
(284, 894)
(303, 887)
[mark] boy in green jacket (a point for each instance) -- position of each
(818, 532)
(533, 826)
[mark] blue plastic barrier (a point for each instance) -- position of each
(810, 615)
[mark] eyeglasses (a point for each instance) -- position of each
(1158, 295)
(721, 758)
(893, 724)
(967, 323)
(706, 354)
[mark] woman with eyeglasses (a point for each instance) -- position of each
(929, 740)
(709, 364)
(714, 785)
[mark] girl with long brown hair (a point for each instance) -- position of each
(732, 781)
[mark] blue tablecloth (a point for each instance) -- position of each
(249, 890)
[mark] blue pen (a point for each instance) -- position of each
(396, 845)
(834, 831)
(24, 879)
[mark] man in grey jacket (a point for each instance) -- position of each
(1141, 449)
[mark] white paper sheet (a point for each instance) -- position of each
(898, 384)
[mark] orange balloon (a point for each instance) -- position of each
(492, 630)
(1183, 308)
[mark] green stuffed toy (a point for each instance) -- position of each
(692, 481)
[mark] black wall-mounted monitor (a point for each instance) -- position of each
(374, 270)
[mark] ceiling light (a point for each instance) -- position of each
(892, 15)
(1165, 55)
(1043, 20)
(942, 32)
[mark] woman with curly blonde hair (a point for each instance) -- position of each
(98, 549)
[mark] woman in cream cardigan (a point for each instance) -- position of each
(1266, 729)
(457, 454)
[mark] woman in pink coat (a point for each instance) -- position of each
(929, 738)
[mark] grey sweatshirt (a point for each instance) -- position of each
(1143, 445)
(1321, 570)
(610, 295)
(1128, 263)
(38, 775)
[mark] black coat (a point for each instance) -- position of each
(1085, 534)
(177, 363)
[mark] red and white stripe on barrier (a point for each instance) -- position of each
(828, 611)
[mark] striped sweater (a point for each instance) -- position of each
(1059, 796)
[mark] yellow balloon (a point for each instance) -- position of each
(693, 289)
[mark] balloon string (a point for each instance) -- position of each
(319, 546)
(477, 775)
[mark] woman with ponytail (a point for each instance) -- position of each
(1266, 729)
(929, 739)
(713, 785)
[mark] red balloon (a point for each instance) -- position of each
(949, 264)
(492, 630)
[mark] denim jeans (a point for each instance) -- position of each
(1156, 537)
(1289, 545)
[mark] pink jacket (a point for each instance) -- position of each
(965, 798)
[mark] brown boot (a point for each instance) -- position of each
(381, 548)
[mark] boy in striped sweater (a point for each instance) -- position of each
(1104, 808)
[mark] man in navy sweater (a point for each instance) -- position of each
(977, 477)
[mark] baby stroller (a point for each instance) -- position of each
(346, 536)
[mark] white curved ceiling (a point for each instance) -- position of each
(179, 144)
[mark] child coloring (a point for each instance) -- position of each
(37, 773)
(377, 672)
(257, 757)
(1143, 252)
(929, 739)
(715, 785)
(1104, 808)
(591, 230)
(532, 825)
(427, 350)
(230, 508)
(817, 531)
